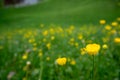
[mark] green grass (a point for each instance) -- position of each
(63, 12)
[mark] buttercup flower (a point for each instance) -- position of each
(25, 56)
(114, 24)
(83, 51)
(118, 18)
(61, 61)
(73, 62)
(48, 45)
(105, 46)
(108, 27)
(117, 40)
(102, 21)
(92, 49)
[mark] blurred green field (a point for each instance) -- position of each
(48, 41)
(63, 12)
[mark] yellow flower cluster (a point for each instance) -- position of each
(61, 61)
(92, 49)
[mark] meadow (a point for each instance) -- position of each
(61, 40)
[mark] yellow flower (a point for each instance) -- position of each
(83, 51)
(48, 58)
(68, 59)
(118, 19)
(31, 40)
(108, 27)
(76, 44)
(45, 33)
(48, 45)
(34, 44)
(105, 40)
(105, 46)
(40, 54)
(44, 40)
(73, 62)
(72, 27)
(25, 56)
(102, 21)
(80, 36)
(117, 40)
(71, 41)
(113, 31)
(114, 24)
(52, 31)
(61, 61)
(92, 49)
(52, 37)
(24, 78)
(35, 48)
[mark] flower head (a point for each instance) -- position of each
(102, 21)
(92, 49)
(117, 40)
(108, 27)
(73, 62)
(114, 24)
(61, 61)
(105, 46)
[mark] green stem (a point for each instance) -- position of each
(41, 69)
(93, 77)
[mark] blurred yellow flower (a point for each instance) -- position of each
(52, 37)
(92, 49)
(114, 24)
(24, 78)
(45, 33)
(113, 31)
(83, 51)
(105, 39)
(73, 62)
(31, 40)
(102, 21)
(44, 40)
(80, 36)
(104, 46)
(71, 41)
(76, 44)
(117, 40)
(34, 48)
(34, 44)
(48, 45)
(118, 19)
(52, 31)
(61, 61)
(108, 27)
(68, 59)
(48, 58)
(72, 27)
(25, 56)
(40, 54)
